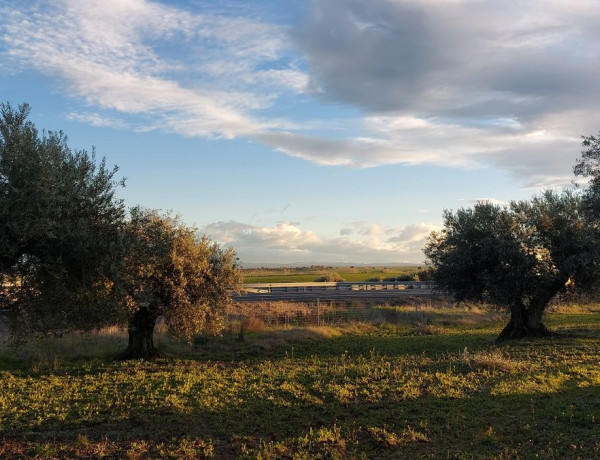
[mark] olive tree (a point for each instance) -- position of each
(518, 256)
(588, 166)
(61, 229)
(71, 258)
(174, 274)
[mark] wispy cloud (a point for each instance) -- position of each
(463, 84)
(192, 74)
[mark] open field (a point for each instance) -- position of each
(309, 274)
(427, 383)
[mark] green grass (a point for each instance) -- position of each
(359, 391)
(308, 274)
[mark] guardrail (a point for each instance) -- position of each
(264, 288)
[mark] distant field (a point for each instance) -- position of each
(310, 274)
(430, 385)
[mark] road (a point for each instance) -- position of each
(329, 291)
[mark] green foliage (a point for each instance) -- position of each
(519, 256)
(60, 229)
(175, 274)
(69, 258)
(589, 163)
(588, 166)
(421, 275)
(469, 253)
(376, 279)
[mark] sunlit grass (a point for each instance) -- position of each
(351, 391)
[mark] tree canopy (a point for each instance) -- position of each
(71, 257)
(588, 166)
(60, 229)
(519, 256)
(174, 274)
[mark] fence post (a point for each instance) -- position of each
(318, 313)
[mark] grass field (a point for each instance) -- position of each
(433, 388)
(310, 274)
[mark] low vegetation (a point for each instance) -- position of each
(430, 384)
(321, 273)
(331, 277)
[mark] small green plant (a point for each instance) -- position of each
(45, 450)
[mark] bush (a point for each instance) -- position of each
(425, 274)
(330, 278)
(404, 278)
(254, 324)
(409, 277)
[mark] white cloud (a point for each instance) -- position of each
(535, 156)
(285, 235)
(361, 242)
(363, 228)
(109, 55)
(96, 119)
(459, 83)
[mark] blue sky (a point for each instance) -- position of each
(313, 131)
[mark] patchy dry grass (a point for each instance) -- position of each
(412, 310)
(353, 391)
(427, 329)
(494, 359)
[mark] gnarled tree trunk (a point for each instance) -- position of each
(141, 335)
(525, 322)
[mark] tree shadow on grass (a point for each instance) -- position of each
(319, 423)
(394, 343)
(552, 425)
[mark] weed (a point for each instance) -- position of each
(426, 328)
(493, 359)
(254, 324)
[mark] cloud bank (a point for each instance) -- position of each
(461, 83)
(359, 242)
(509, 85)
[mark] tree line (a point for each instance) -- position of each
(72, 256)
